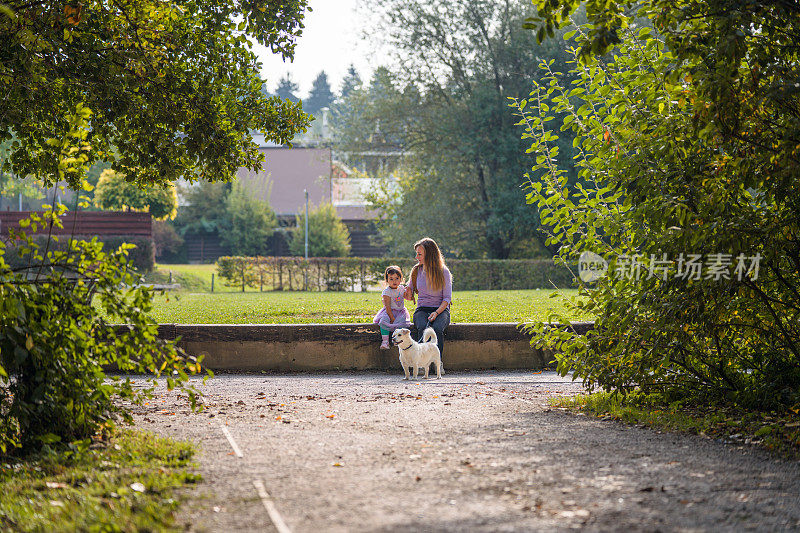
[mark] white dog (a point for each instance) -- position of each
(418, 355)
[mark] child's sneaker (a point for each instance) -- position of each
(385, 343)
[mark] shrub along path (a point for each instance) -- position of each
(479, 451)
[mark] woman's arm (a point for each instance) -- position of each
(411, 288)
(447, 296)
(387, 304)
(409, 293)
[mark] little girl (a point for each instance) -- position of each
(393, 315)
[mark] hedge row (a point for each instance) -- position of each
(357, 273)
(142, 257)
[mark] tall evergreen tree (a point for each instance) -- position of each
(320, 95)
(351, 81)
(287, 88)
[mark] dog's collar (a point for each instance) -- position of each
(410, 344)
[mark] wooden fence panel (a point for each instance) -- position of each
(88, 223)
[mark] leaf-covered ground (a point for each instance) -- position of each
(126, 484)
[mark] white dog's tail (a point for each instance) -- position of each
(429, 336)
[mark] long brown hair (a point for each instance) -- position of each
(432, 262)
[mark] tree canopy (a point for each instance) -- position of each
(445, 107)
(287, 89)
(320, 95)
(172, 88)
(352, 80)
(114, 192)
(204, 209)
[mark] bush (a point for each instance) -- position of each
(662, 182)
(321, 273)
(327, 234)
(250, 225)
(508, 274)
(141, 256)
(295, 273)
(166, 240)
(54, 343)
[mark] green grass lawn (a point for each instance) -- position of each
(195, 278)
(130, 483)
(345, 307)
(195, 304)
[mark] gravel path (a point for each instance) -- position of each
(477, 451)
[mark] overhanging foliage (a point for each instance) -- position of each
(173, 87)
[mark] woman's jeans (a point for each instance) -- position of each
(441, 322)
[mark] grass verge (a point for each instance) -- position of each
(345, 307)
(128, 483)
(190, 279)
(777, 432)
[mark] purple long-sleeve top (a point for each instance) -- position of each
(430, 298)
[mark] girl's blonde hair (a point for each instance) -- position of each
(393, 269)
(432, 262)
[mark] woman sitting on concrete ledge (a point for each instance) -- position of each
(431, 279)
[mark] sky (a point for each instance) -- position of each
(331, 41)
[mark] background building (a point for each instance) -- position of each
(287, 172)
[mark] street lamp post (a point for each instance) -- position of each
(305, 191)
(305, 273)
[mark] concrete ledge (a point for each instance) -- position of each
(298, 347)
